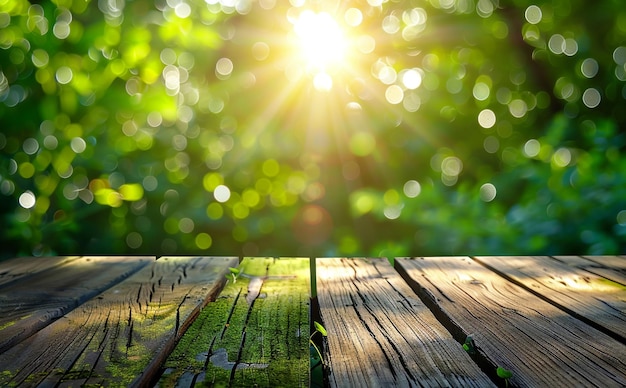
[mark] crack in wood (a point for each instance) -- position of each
(106, 342)
(369, 330)
(129, 342)
(256, 292)
(480, 358)
(230, 315)
(388, 338)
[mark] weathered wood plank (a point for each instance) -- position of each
(381, 334)
(42, 291)
(15, 269)
(254, 334)
(120, 337)
(598, 301)
(617, 262)
(610, 267)
(541, 344)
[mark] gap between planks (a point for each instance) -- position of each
(584, 295)
(121, 336)
(540, 344)
(381, 334)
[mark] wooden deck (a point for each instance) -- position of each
(222, 321)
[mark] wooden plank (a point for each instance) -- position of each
(610, 267)
(381, 334)
(594, 299)
(120, 337)
(42, 291)
(254, 334)
(617, 262)
(13, 270)
(513, 329)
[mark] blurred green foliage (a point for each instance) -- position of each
(194, 127)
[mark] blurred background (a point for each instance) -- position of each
(304, 128)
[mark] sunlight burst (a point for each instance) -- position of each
(322, 42)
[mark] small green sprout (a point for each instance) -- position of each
(234, 273)
(318, 329)
(504, 374)
(469, 345)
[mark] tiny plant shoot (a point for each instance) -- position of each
(469, 345)
(504, 374)
(234, 273)
(318, 329)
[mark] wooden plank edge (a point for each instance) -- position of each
(616, 336)
(77, 302)
(482, 360)
(62, 260)
(596, 267)
(317, 343)
(151, 373)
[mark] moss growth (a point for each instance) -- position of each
(7, 324)
(128, 364)
(276, 349)
(5, 377)
(11, 323)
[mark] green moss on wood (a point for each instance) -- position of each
(276, 349)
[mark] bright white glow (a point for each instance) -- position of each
(64, 75)
(532, 148)
(533, 14)
(322, 82)
(182, 10)
(221, 193)
(412, 188)
(411, 79)
(488, 192)
(394, 94)
(223, 68)
(592, 97)
(322, 42)
(589, 67)
(27, 200)
(486, 118)
(78, 145)
(353, 17)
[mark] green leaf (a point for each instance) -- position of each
(504, 373)
(320, 328)
(469, 346)
(234, 271)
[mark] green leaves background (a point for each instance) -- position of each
(163, 127)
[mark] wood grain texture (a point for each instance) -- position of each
(542, 345)
(46, 289)
(381, 334)
(18, 268)
(595, 299)
(616, 262)
(610, 267)
(121, 336)
(254, 334)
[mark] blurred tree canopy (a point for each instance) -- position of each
(424, 127)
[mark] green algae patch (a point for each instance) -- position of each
(607, 285)
(5, 377)
(7, 324)
(254, 334)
